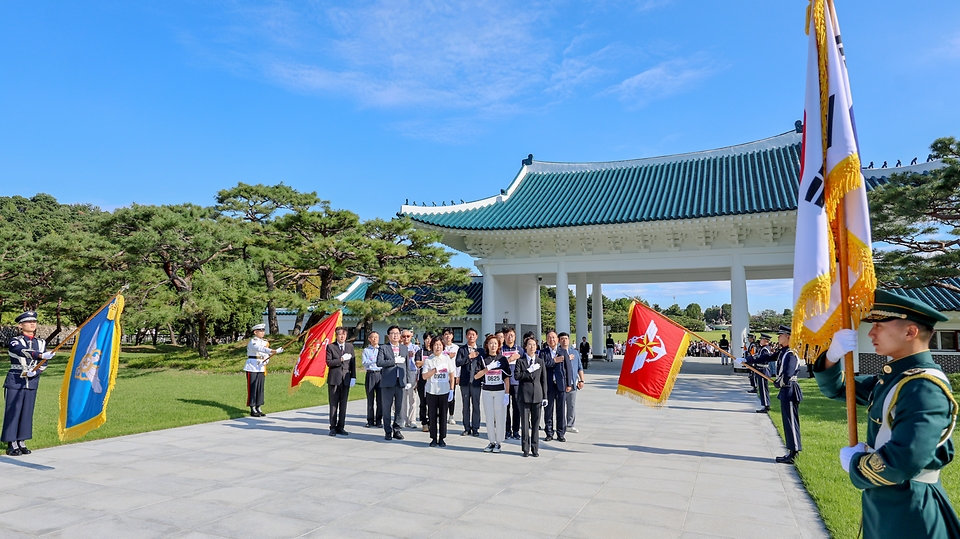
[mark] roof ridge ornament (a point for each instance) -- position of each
(798, 125)
(528, 161)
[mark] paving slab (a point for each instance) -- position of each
(632, 471)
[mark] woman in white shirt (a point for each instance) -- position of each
(494, 391)
(438, 372)
(372, 381)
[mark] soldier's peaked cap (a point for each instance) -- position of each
(766, 336)
(29, 316)
(889, 306)
(259, 326)
(784, 330)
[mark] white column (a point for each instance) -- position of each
(489, 320)
(563, 299)
(599, 339)
(581, 309)
(740, 317)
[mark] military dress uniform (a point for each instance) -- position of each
(752, 349)
(258, 355)
(21, 391)
(911, 414)
(788, 366)
(760, 357)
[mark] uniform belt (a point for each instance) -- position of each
(16, 367)
(927, 476)
(792, 379)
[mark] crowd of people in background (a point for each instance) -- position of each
(512, 381)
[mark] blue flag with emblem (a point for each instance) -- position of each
(91, 372)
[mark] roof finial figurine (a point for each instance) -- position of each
(914, 162)
(884, 165)
(870, 165)
(406, 201)
(528, 161)
(929, 157)
(798, 125)
(434, 203)
(899, 164)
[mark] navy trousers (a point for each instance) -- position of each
(18, 414)
(791, 424)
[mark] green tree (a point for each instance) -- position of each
(408, 266)
(693, 311)
(919, 215)
(258, 208)
(182, 257)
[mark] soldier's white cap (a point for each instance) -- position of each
(29, 316)
(259, 326)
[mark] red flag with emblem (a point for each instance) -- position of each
(312, 363)
(655, 350)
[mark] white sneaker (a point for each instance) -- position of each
(450, 421)
(572, 429)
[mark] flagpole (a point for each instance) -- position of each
(722, 351)
(845, 319)
(85, 322)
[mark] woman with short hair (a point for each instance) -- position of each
(438, 372)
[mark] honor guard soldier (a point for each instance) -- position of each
(788, 366)
(911, 415)
(25, 351)
(760, 359)
(258, 355)
(752, 349)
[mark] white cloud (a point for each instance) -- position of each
(474, 61)
(662, 80)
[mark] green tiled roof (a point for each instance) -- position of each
(749, 178)
(939, 298)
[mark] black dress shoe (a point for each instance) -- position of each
(24, 450)
(332, 433)
(526, 454)
(535, 453)
(751, 391)
(441, 443)
(388, 437)
(342, 432)
(549, 438)
(465, 433)
(397, 435)
(476, 433)
(368, 425)
(788, 458)
(763, 410)
(561, 439)
(13, 451)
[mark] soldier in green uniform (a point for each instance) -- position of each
(911, 415)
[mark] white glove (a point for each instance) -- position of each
(47, 355)
(847, 453)
(843, 341)
(408, 386)
(31, 373)
(506, 399)
(345, 357)
(353, 382)
(543, 403)
(533, 368)
(279, 350)
(492, 366)
(450, 396)
(42, 368)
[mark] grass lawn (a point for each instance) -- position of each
(171, 387)
(823, 430)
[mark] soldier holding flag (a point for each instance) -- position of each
(258, 355)
(23, 378)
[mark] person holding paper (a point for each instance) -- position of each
(493, 371)
(437, 371)
(341, 376)
(532, 374)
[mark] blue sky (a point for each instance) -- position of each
(371, 102)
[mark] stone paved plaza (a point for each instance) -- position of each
(703, 467)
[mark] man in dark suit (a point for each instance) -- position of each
(560, 377)
(392, 358)
(467, 360)
(341, 376)
(532, 375)
(585, 353)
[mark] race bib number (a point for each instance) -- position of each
(493, 378)
(440, 376)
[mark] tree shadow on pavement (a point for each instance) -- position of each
(685, 452)
(232, 411)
